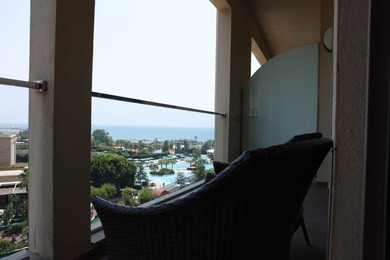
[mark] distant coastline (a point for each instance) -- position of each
(10, 129)
(139, 132)
(160, 132)
(13, 126)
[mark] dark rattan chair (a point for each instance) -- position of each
(301, 219)
(220, 166)
(248, 211)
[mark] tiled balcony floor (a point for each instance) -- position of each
(316, 219)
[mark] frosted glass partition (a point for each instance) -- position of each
(281, 99)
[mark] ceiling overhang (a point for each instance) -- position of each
(279, 25)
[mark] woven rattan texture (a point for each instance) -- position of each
(248, 211)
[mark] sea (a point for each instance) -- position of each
(162, 133)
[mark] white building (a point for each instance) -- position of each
(7, 150)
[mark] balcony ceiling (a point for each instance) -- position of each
(285, 24)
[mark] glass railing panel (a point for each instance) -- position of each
(14, 174)
(142, 51)
(163, 151)
(178, 69)
(14, 64)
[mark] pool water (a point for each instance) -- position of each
(180, 167)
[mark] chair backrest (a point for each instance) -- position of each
(248, 210)
(305, 136)
(220, 166)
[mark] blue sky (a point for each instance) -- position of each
(160, 51)
(14, 29)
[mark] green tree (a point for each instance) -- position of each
(96, 191)
(128, 200)
(128, 196)
(179, 149)
(196, 159)
(6, 246)
(17, 205)
(112, 168)
(153, 167)
(110, 189)
(143, 151)
(172, 161)
(21, 146)
(141, 144)
(164, 162)
(209, 144)
(106, 191)
(122, 143)
(128, 191)
(22, 156)
(23, 178)
(153, 146)
(22, 135)
(186, 146)
(196, 154)
(200, 172)
(101, 136)
(15, 208)
(145, 195)
(141, 176)
(181, 180)
(165, 146)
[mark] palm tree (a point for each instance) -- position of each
(164, 162)
(141, 175)
(181, 180)
(23, 177)
(153, 167)
(172, 161)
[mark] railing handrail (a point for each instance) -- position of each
(39, 85)
(151, 103)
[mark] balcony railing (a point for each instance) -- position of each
(39, 85)
(150, 103)
(96, 228)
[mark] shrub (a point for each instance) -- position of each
(22, 156)
(106, 191)
(6, 246)
(128, 191)
(128, 200)
(145, 195)
(95, 191)
(162, 171)
(15, 228)
(109, 189)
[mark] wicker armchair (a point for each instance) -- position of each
(220, 166)
(247, 211)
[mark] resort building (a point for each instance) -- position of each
(7, 150)
(160, 192)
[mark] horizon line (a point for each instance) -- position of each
(14, 124)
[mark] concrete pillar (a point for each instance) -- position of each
(349, 133)
(61, 48)
(232, 75)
